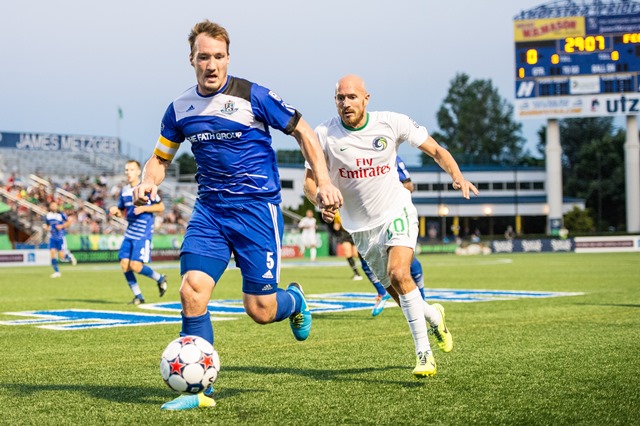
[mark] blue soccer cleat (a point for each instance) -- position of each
(381, 301)
(300, 322)
(189, 402)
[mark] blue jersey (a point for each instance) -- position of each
(403, 173)
(56, 218)
(230, 138)
(140, 226)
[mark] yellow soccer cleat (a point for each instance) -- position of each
(425, 365)
(441, 332)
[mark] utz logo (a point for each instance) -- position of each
(379, 144)
(229, 107)
(417, 126)
(561, 245)
(532, 245)
(502, 246)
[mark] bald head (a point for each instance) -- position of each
(351, 101)
(351, 81)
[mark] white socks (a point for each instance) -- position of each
(432, 315)
(413, 308)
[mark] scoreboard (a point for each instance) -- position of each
(577, 66)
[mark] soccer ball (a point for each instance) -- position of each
(189, 364)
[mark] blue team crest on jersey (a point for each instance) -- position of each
(379, 143)
(229, 107)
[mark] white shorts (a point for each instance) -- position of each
(401, 229)
(308, 239)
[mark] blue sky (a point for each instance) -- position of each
(67, 66)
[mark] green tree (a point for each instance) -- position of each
(289, 156)
(477, 125)
(578, 221)
(593, 167)
(187, 164)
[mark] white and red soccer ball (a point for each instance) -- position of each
(189, 364)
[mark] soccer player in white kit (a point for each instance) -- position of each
(308, 226)
(360, 148)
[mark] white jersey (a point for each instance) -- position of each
(307, 225)
(362, 164)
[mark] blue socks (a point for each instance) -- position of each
(288, 303)
(198, 326)
(54, 263)
(148, 272)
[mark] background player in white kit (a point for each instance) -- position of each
(360, 150)
(308, 226)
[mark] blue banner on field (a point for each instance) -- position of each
(59, 143)
(230, 309)
(533, 246)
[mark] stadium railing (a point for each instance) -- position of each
(119, 224)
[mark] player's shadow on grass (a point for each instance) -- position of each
(362, 374)
(123, 394)
(615, 305)
(159, 395)
(94, 301)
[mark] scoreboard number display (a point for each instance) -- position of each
(576, 66)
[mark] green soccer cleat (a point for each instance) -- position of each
(381, 301)
(162, 285)
(441, 332)
(425, 365)
(189, 402)
(300, 322)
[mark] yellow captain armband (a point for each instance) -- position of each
(166, 149)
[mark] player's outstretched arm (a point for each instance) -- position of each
(153, 174)
(327, 194)
(310, 188)
(445, 160)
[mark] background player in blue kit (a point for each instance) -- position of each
(57, 222)
(136, 246)
(226, 119)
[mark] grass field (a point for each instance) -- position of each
(558, 360)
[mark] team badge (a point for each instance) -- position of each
(380, 143)
(229, 107)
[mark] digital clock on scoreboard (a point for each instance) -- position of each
(579, 55)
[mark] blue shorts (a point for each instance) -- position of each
(59, 244)
(251, 230)
(136, 250)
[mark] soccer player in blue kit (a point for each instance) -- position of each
(226, 119)
(57, 223)
(135, 250)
